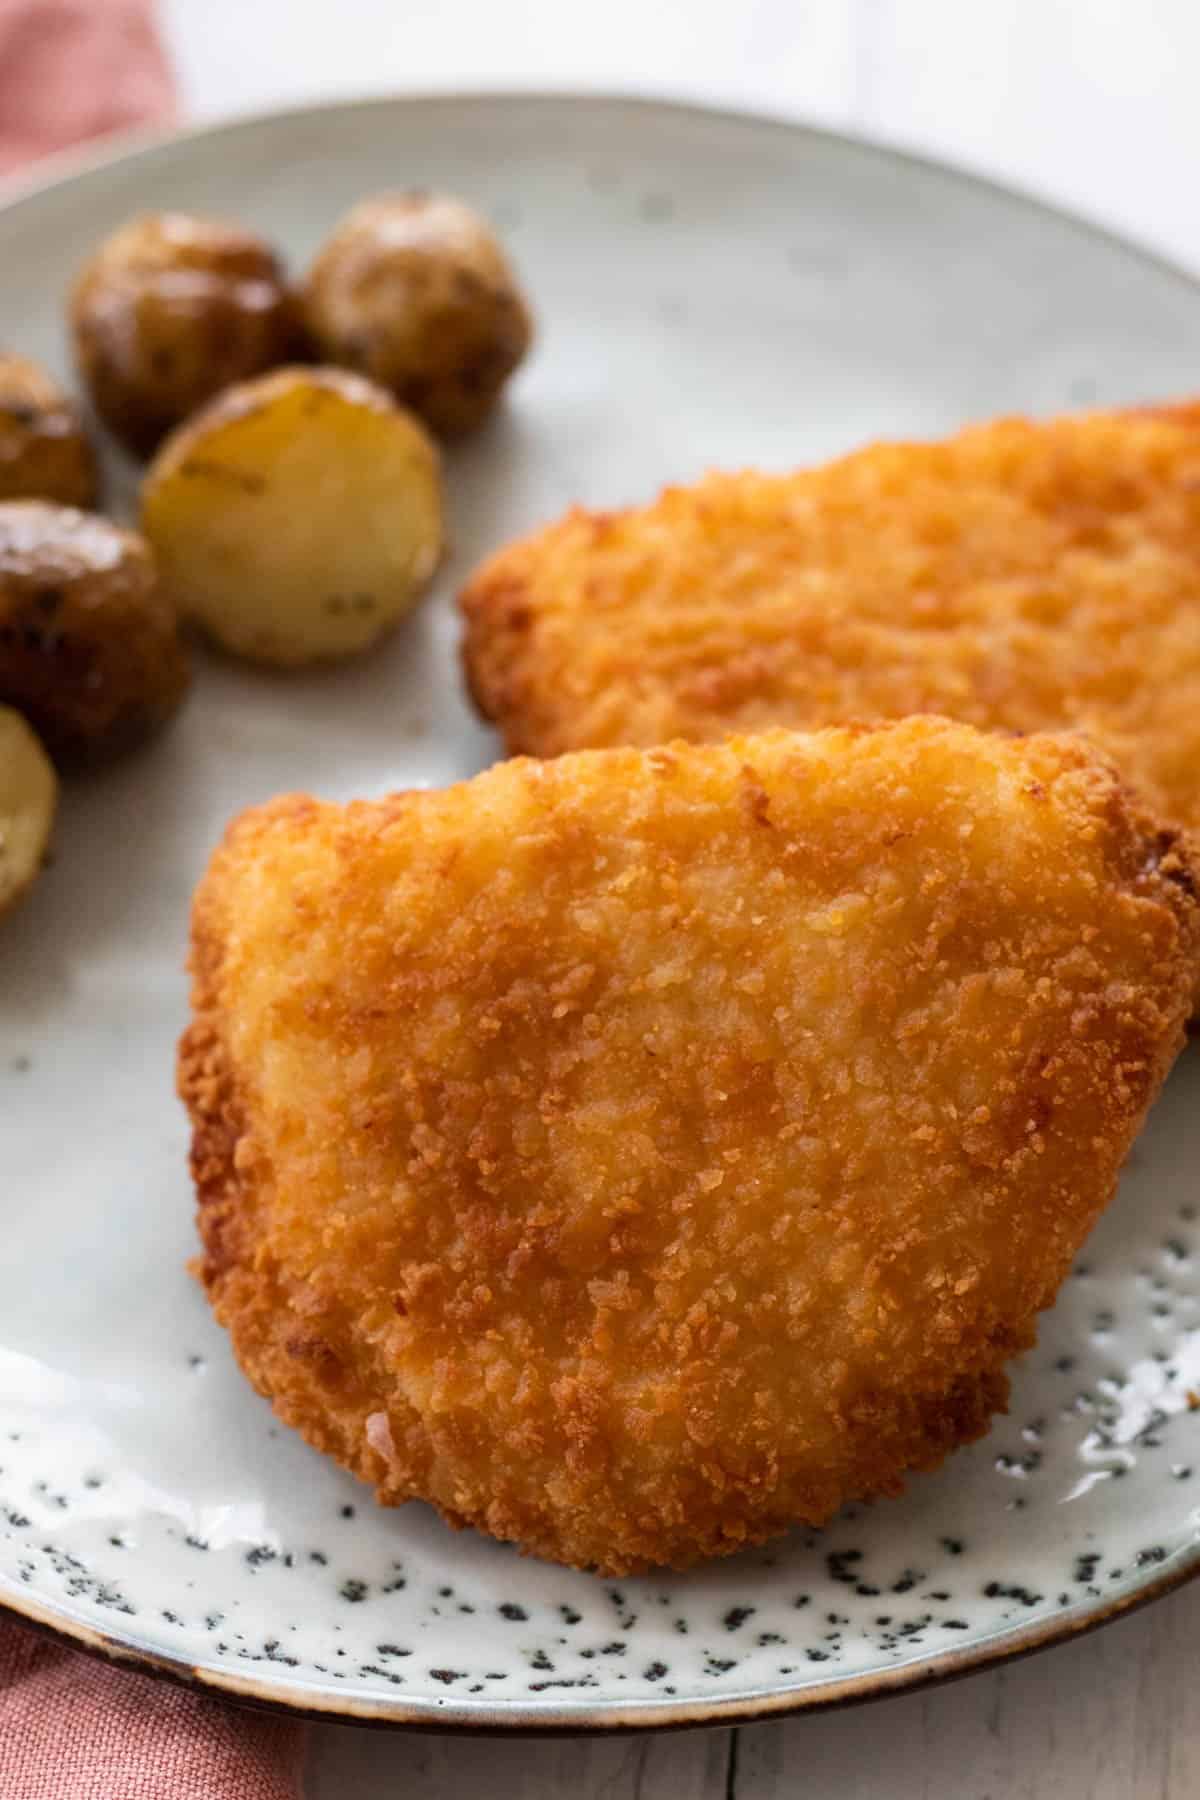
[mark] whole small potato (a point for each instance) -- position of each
(415, 291)
(28, 801)
(298, 517)
(44, 454)
(170, 310)
(89, 644)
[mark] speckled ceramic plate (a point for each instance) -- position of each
(712, 290)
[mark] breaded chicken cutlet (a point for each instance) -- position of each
(637, 1153)
(1020, 577)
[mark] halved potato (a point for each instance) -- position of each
(28, 801)
(298, 517)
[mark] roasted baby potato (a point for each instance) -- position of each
(298, 517)
(415, 291)
(89, 645)
(44, 454)
(28, 799)
(170, 310)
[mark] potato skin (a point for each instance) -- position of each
(28, 803)
(297, 518)
(415, 291)
(168, 311)
(44, 452)
(89, 645)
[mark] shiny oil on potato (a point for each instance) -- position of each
(28, 800)
(89, 644)
(416, 291)
(167, 312)
(298, 517)
(44, 452)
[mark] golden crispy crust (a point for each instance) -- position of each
(1020, 577)
(638, 1153)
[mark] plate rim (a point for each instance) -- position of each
(540, 1718)
(93, 156)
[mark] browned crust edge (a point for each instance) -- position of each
(275, 1321)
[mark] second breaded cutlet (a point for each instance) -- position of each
(1020, 576)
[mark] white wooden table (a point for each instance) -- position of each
(1088, 102)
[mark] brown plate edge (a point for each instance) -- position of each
(540, 1719)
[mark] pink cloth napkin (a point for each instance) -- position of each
(74, 1728)
(74, 69)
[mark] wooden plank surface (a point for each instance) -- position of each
(346, 1764)
(1113, 1716)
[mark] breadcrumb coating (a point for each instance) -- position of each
(1020, 576)
(637, 1153)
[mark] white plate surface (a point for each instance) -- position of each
(712, 291)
